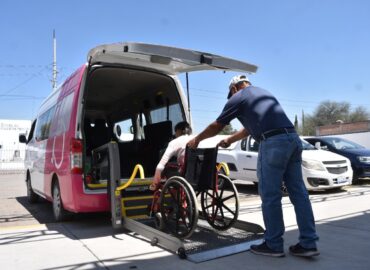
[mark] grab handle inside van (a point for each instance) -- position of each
(138, 168)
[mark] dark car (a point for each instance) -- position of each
(357, 154)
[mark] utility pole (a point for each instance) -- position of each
(55, 72)
(188, 94)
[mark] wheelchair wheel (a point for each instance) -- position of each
(178, 207)
(221, 207)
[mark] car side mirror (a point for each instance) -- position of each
(22, 138)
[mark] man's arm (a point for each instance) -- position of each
(210, 131)
(241, 134)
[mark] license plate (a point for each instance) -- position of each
(341, 180)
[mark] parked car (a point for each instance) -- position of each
(321, 169)
(357, 154)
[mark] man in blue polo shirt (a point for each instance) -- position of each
(279, 159)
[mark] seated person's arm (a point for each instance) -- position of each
(170, 152)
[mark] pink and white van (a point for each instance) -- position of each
(128, 93)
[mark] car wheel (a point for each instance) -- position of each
(32, 197)
(60, 214)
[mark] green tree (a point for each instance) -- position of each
(296, 122)
(359, 114)
(330, 112)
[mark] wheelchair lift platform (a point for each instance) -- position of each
(129, 208)
(205, 244)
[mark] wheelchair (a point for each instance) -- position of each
(175, 202)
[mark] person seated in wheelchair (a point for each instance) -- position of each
(175, 149)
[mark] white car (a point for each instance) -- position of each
(321, 169)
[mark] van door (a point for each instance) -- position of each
(169, 60)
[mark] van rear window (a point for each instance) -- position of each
(174, 114)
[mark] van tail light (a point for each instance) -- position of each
(76, 156)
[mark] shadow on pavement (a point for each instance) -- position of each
(343, 245)
(87, 225)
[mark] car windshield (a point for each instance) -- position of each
(307, 146)
(341, 144)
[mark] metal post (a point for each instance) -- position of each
(188, 94)
(54, 81)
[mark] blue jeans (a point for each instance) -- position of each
(280, 159)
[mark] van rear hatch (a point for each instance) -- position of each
(168, 60)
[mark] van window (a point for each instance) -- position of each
(64, 114)
(174, 114)
(123, 130)
(140, 123)
(43, 124)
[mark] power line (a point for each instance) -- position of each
(280, 99)
(22, 96)
(23, 82)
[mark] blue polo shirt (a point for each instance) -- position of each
(256, 109)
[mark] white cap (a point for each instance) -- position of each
(236, 79)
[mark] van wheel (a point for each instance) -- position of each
(32, 197)
(60, 214)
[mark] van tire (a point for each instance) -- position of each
(32, 197)
(60, 214)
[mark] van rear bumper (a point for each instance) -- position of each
(84, 201)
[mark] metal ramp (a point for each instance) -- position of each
(205, 243)
(129, 204)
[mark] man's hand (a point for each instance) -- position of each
(193, 143)
(224, 143)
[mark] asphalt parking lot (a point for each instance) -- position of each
(29, 238)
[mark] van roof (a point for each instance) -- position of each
(169, 60)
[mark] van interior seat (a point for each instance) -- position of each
(97, 133)
(131, 153)
(157, 137)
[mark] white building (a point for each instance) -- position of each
(11, 151)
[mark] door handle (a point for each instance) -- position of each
(249, 156)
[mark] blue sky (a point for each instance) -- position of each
(307, 51)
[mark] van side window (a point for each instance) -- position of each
(140, 123)
(43, 124)
(63, 114)
(123, 131)
(174, 114)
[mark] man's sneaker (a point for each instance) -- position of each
(263, 249)
(298, 250)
